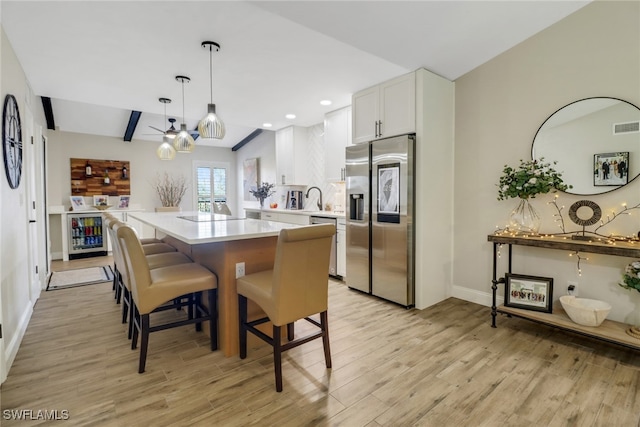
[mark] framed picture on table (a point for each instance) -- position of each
(100, 200)
(123, 202)
(77, 203)
(528, 292)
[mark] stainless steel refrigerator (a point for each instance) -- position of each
(380, 231)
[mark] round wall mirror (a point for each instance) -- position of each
(595, 142)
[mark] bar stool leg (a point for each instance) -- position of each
(277, 357)
(242, 310)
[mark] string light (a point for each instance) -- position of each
(558, 216)
(580, 258)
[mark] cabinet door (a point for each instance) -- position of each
(269, 216)
(341, 252)
(294, 218)
(337, 135)
(397, 106)
(365, 115)
(292, 149)
(285, 156)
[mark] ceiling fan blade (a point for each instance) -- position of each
(155, 128)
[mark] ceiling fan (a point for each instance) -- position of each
(172, 131)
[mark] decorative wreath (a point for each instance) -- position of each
(596, 212)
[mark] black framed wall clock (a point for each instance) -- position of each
(12, 141)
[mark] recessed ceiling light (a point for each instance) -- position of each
(267, 125)
(290, 116)
(325, 102)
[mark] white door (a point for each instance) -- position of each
(30, 180)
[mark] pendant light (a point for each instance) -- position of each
(165, 151)
(211, 126)
(183, 142)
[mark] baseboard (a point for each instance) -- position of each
(471, 295)
(12, 347)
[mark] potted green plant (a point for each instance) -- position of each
(531, 178)
(631, 281)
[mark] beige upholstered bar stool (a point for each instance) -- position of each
(155, 261)
(153, 290)
(296, 288)
(154, 246)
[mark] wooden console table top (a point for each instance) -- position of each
(626, 249)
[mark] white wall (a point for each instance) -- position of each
(263, 148)
(16, 299)
(144, 167)
(500, 106)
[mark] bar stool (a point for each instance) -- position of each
(155, 261)
(153, 289)
(296, 288)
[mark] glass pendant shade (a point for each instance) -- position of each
(165, 150)
(183, 142)
(211, 126)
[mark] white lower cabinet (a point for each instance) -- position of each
(341, 248)
(285, 217)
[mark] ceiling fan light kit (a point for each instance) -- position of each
(166, 151)
(211, 126)
(183, 142)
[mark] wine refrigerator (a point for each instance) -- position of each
(87, 236)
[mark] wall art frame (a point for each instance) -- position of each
(611, 169)
(528, 292)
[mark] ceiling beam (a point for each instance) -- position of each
(246, 140)
(48, 112)
(131, 126)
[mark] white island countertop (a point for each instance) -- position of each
(196, 227)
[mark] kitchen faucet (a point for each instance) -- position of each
(319, 191)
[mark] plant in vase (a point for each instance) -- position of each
(262, 192)
(531, 178)
(170, 190)
(631, 281)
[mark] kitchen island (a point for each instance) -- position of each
(219, 242)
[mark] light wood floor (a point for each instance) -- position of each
(444, 366)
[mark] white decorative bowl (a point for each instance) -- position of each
(585, 312)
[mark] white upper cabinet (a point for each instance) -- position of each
(292, 148)
(337, 135)
(365, 115)
(385, 110)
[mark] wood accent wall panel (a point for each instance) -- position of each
(82, 185)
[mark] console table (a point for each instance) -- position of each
(609, 330)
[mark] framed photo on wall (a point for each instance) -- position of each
(249, 178)
(528, 292)
(611, 169)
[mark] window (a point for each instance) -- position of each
(211, 185)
